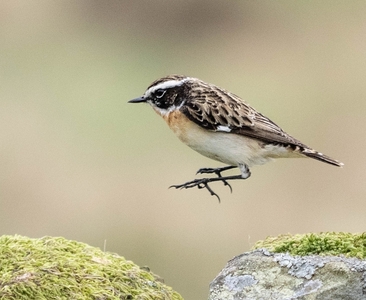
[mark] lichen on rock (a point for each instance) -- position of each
(261, 274)
(296, 267)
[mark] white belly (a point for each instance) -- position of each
(229, 148)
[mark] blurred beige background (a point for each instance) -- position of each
(77, 161)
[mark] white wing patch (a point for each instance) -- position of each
(223, 128)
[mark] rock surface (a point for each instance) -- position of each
(261, 274)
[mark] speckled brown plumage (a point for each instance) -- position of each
(221, 126)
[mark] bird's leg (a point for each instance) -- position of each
(203, 182)
(245, 172)
(217, 171)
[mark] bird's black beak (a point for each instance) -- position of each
(138, 100)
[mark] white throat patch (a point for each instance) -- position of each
(164, 112)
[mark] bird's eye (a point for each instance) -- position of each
(159, 93)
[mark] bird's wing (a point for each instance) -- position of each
(219, 110)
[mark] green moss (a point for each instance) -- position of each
(56, 268)
(325, 243)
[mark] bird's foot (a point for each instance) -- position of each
(203, 182)
(199, 183)
(217, 171)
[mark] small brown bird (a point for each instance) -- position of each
(221, 126)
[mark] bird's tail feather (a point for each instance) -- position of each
(320, 156)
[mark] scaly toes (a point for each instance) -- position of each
(206, 171)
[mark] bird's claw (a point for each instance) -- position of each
(202, 183)
(216, 171)
(199, 183)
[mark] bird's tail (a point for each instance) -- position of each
(320, 156)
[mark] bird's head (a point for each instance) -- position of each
(166, 94)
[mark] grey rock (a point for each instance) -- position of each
(262, 275)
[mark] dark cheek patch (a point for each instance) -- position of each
(162, 103)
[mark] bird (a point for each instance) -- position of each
(222, 126)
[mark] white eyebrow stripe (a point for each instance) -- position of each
(166, 85)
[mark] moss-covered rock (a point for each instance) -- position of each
(261, 274)
(325, 243)
(326, 266)
(56, 268)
